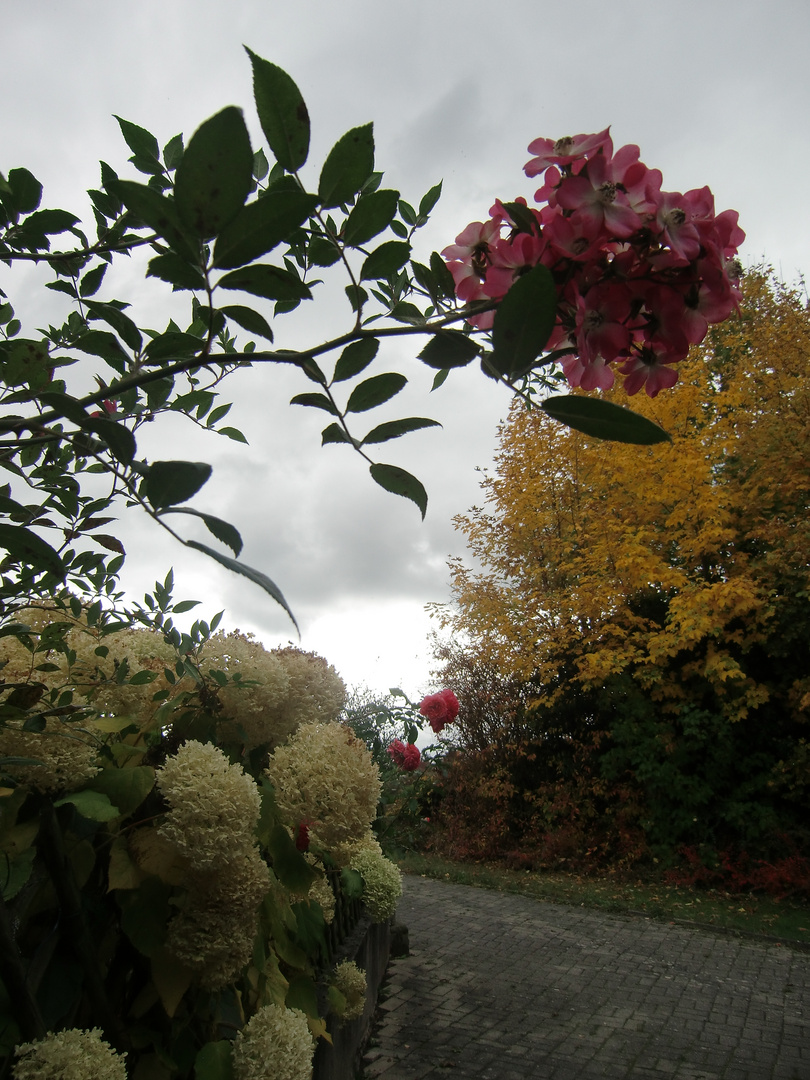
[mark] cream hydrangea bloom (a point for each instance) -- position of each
(143, 650)
(249, 707)
(316, 692)
(322, 893)
(324, 775)
(214, 805)
(382, 879)
(67, 752)
(214, 808)
(351, 981)
(213, 935)
(275, 1044)
(91, 672)
(69, 1055)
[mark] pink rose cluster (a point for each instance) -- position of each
(440, 709)
(406, 755)
(640, 273)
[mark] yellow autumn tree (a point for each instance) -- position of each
(668, 582)
(632, 558)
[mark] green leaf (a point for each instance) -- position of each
(26, 192)
(289, 865)
(222, 530)
(64, 405)
(523, 218)
(523, 322)
(90, 804)
(104, 344)
(170, 482)
(173, 152)
(49, 222)
(430, 199)
(400, 482)
(121, 323)
(176, 271)
(334, 433)
(143, 678)
(302, 994)
(91, 282)
(255, 576)
(125, 788)
(261, 166)
(269, 281)
(27, 361)
(214, 1061)
(394, 428)
(282, 113)
(356, 296)
(374, 391)
(232, 433)
(322, 251)
(371, 215)
(443, 277)
(407, 212)
(249, 320)
(261, 225)
(449, 349)
(315, 401)
(214, 178)
(355, 358)
(172, 345)
(351, 881)
(604, 420)
(17, 870)
(385, 260)
(347, 167)
(159, 214)
(145, 912)
(118, 438)
(141, 142)
(26, 547)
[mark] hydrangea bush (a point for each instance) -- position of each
(167, 830)
(170, 800)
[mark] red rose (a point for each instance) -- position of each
(406, 755)
(440, 709)
(302, 837)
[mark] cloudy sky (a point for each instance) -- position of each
(714, 93)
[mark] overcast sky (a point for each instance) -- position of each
(713, 92)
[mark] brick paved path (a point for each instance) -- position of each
(508, 988)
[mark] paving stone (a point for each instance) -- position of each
(505, 987)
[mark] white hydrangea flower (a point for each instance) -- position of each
(351, 981)
(252, 707)
(275, 1044)
(214, 805)
(213, 934)
(382, 879)
(67, 752)
(322, 893)
(325, 775)
(316, 692)
(69, 1055)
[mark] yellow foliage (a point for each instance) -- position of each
(672, 561)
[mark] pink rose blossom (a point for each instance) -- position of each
(640, 273)
(651, 369)
(566, 150)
